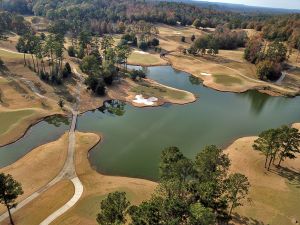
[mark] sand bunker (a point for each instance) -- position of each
(206, 74)
(139, 99)
(141, 52)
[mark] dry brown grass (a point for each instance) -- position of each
(36, 211)
(97, 186)
(274, 195)
(39, 166)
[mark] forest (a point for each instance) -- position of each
(106, 14)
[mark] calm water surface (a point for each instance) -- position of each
(43, 132)
(134, 137)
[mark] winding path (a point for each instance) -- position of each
(68, 171)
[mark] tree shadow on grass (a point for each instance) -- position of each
(292, 176)
(238, 219)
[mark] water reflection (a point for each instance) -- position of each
(257, 100)
(194, 80)
(58, 120)
(114, 107)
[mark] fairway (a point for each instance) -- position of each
(145, 59)
(11, 118)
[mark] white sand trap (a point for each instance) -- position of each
(177, 33)
(141, 52)
(206, 74)
(141, 100)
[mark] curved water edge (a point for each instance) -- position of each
(45, 131)
(134, 137)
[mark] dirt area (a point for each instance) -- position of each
(97, 186)
(274, 195)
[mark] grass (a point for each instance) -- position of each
(12, 118)
(149, 90)
(3, 80)
(97, 186)
(274, 194)
(10, 55)
(39, 166)
(226, 80)
(144, 59)
(48, 202)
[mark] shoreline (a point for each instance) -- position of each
(35, 122)
(224, 147)
(266, 88)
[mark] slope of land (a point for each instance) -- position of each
(274, 195)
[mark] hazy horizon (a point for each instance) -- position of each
(288, 4)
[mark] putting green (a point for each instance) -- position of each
(226, 80)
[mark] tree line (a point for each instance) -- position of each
(10, 22)
(268, 57)
(199, 191)
(278, 144)
(47, 54)
(221, 38)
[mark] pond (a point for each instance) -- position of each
(134, 137)
(43, 132)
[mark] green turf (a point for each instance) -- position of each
(138, 58)
(10, 55)
(148, 90)
(8, 119)
(3, 80)
(226, 80)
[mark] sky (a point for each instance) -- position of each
(288, 4)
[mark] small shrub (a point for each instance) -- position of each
(71, 51)
(155, 42)
(267, 70)
(134, 74)
(143, 46)
(67, 71)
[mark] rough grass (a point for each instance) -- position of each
(39, 209)
(149, 90)
(274, 195)
(39, 166)
(226, 80)
(12, 118)
(97, 186)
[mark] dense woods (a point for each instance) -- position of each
(103, 16)
(12, 23)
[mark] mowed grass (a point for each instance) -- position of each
(3, 80)
(144, 59)
(11, 118)
(226, 80)
(89, 206)
(274, 195)
(48, 202)
(284, 204)
(149, 90)
(10, 55)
